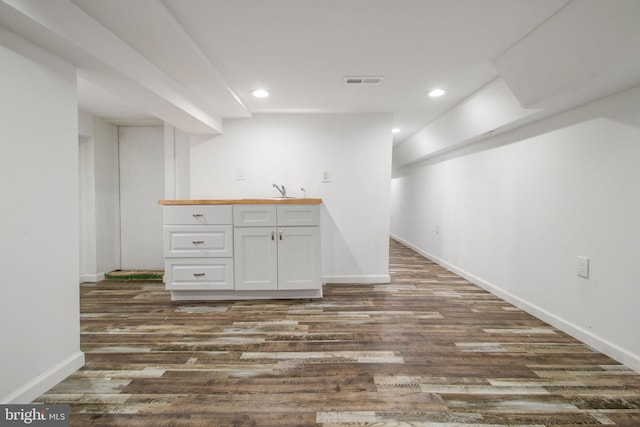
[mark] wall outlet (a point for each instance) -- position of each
(437, 228)
(326, 175)
(583, 267)
(240, 175)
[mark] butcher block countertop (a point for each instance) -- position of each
(274, 201)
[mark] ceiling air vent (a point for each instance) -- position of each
(362, 80)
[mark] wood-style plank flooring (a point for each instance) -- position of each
(428, 349)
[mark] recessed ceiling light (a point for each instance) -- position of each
(434, 93)
(259, 93)
(395, 130)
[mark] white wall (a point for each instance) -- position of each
(177, 163)
(100, 210)
(39, 309)
(142, 183)
(87, 210)
(515, 211)
(107, 195)
(293, 150)
(99, 198)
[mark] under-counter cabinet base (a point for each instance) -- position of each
(241, 252)
(244, 295)
(277, 258)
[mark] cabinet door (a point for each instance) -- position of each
(255, 258)
(299, 258)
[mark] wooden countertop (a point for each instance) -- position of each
(274, 201)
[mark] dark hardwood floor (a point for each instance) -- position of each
(428, 349)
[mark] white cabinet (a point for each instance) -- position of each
(256, 256)
(197, 215)
(198, 274)
(198, 248)
(277, 247)
(270, 258)
(242, 251)
(298, 215)
(299, 258)
(254, 215)
(187, 241)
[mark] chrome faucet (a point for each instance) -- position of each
(283, 191)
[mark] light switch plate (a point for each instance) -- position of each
(326, 175)
(583, 267)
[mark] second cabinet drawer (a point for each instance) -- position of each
(186, 241)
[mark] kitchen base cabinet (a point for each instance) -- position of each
(242, 251)
(277, 258)
(198, 249)
(277, 248)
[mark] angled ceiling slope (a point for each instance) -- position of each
(587, 50)
(106, 61)
(193, 63)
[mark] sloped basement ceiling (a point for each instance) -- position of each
(587, 50)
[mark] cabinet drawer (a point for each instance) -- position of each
(199, 274)
(198, 241)
(254, 215)
(197, 214)
(300, 215)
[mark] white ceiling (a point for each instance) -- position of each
(193, 63)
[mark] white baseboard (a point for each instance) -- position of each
(93, 278)
(364, 279)
(43, 382)
(602, 345)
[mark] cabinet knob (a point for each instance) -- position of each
(198, 274)
(280, 234)
(198, 242)
(197, 215)
(273, 235)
